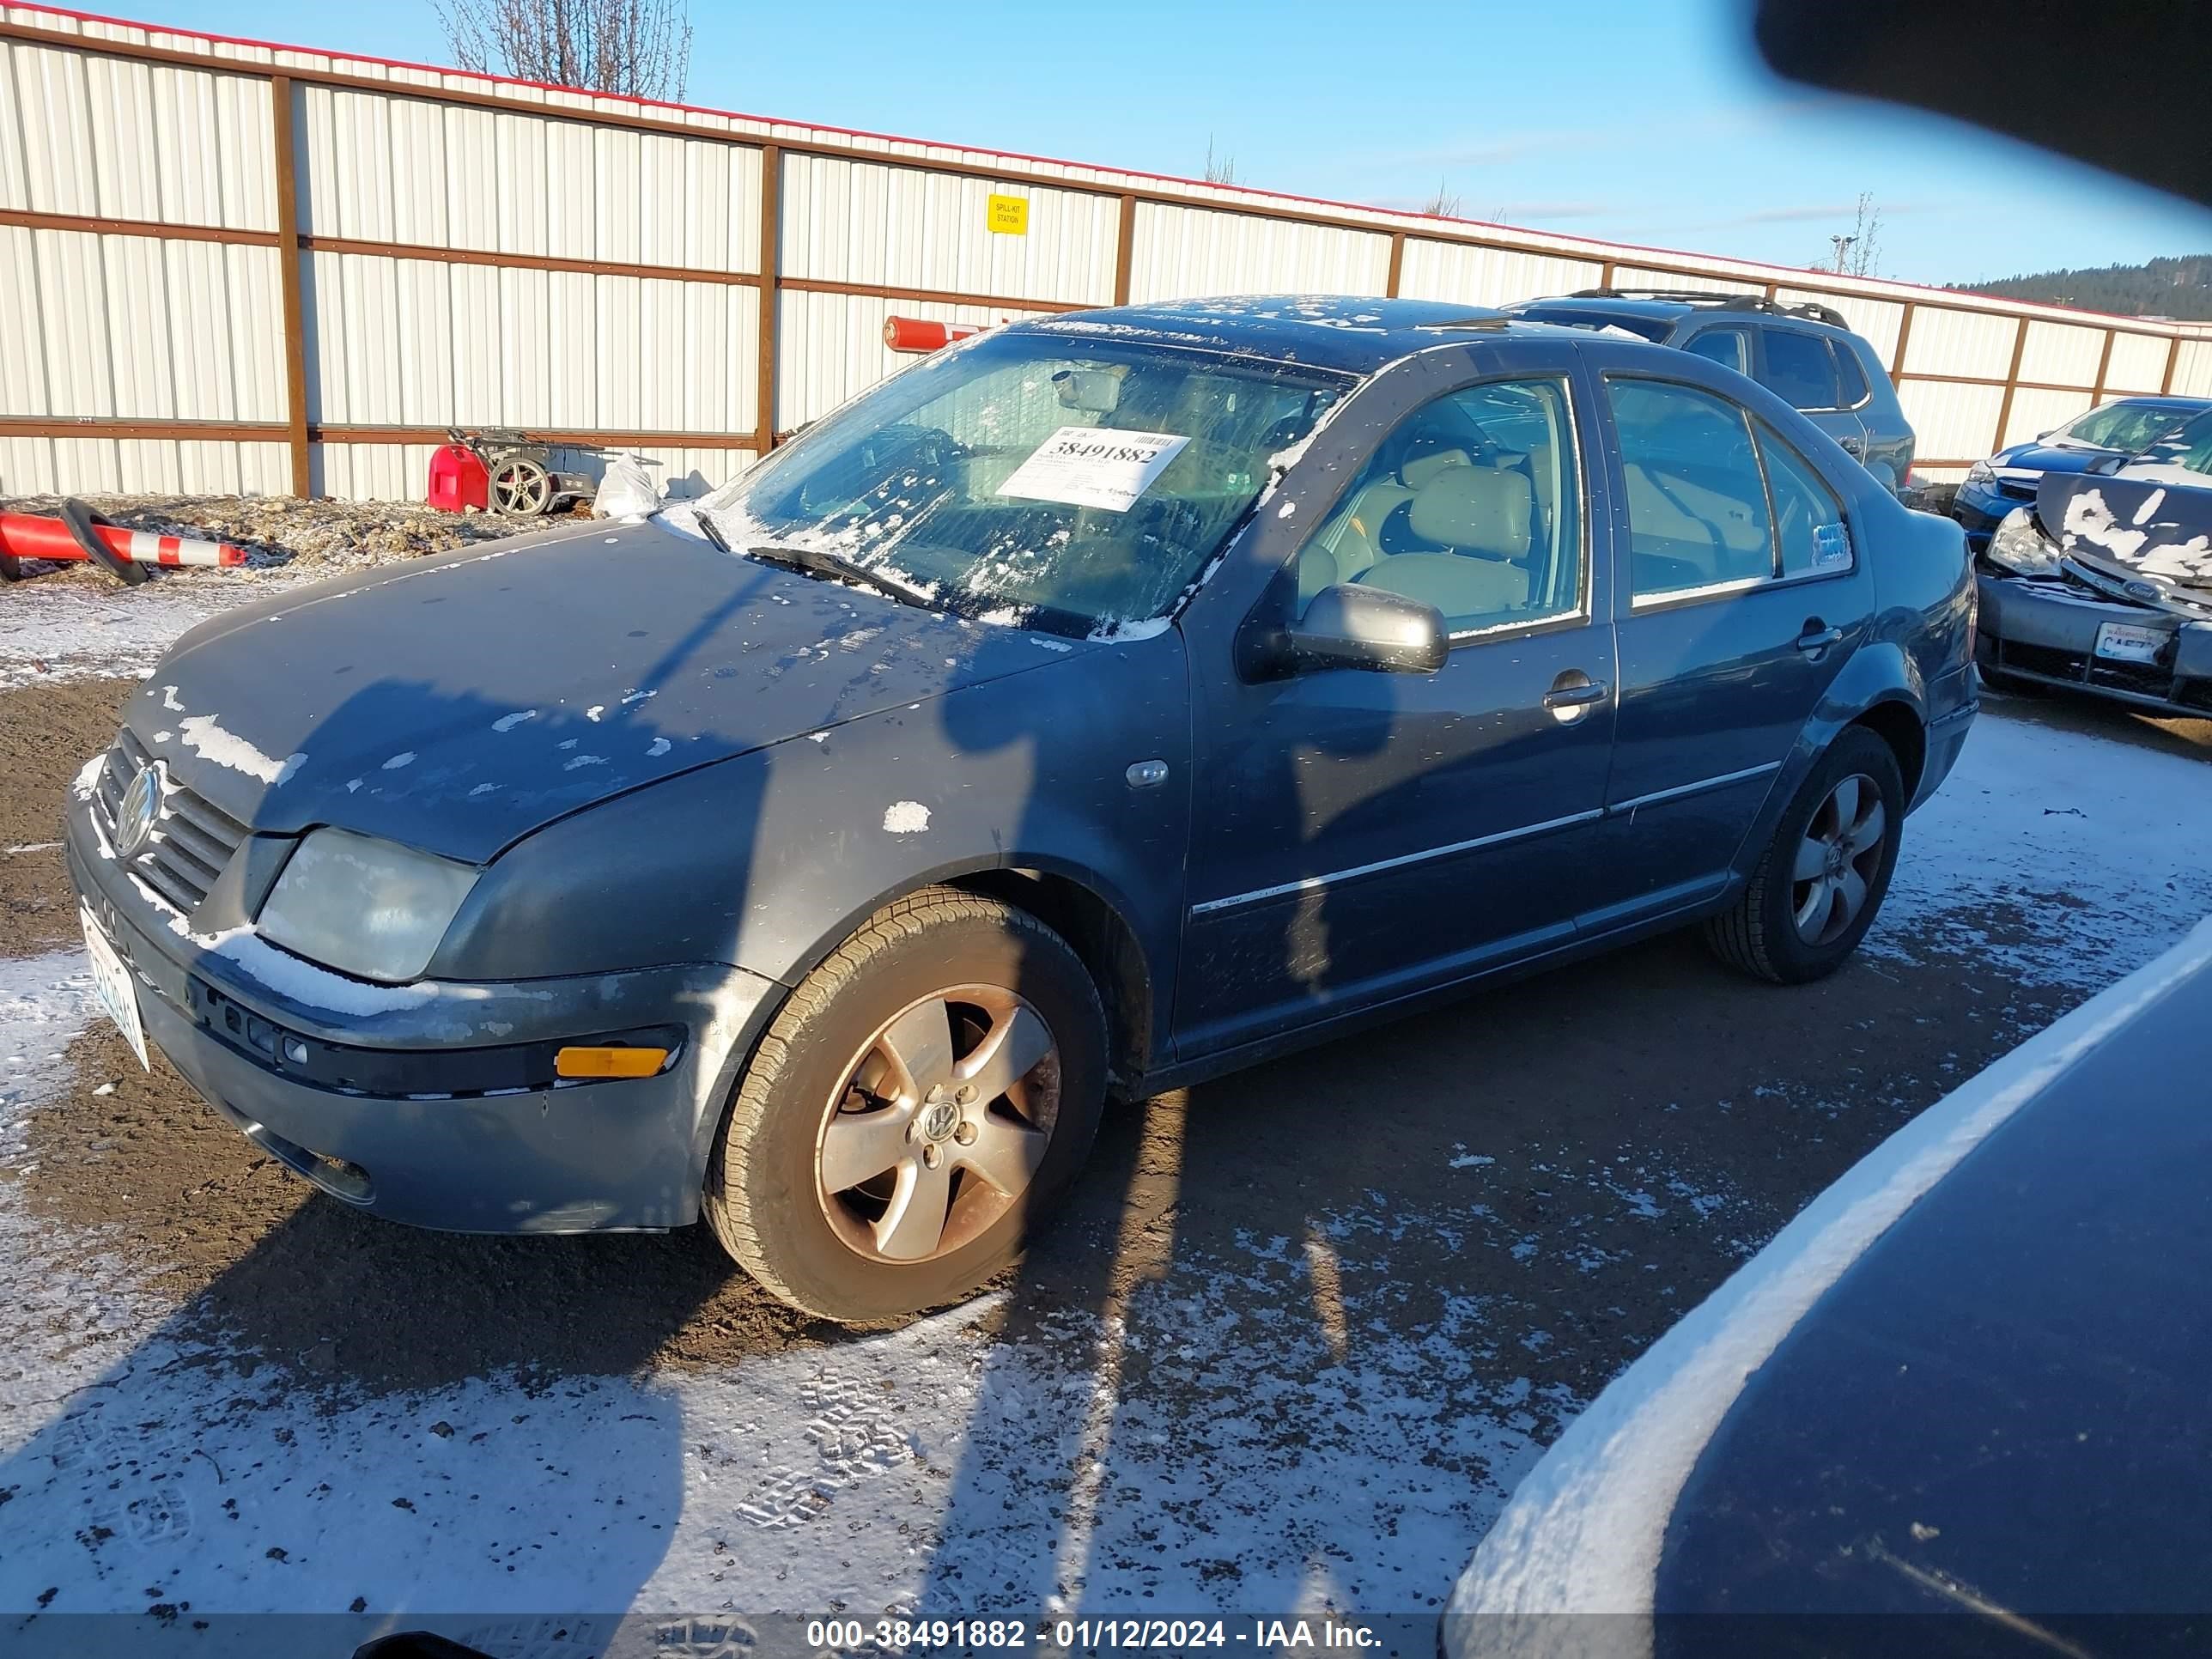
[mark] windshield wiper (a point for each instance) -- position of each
(817, 561)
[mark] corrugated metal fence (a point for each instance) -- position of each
(241, 267)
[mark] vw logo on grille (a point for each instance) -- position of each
(139, 810)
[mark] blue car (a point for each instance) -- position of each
(1101, 704)
(2109, 435)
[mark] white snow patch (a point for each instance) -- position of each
(595, 711)
(658, 747)
(204, 736)
(405, 757)
(508, 722)
(584, 760)
(906, 817)
(87, 777)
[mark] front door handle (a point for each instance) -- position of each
(1574, 691)
(1818, 638)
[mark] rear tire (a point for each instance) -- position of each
(855, 1072)
(1818, 886)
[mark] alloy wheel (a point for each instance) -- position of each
(939, 1124)
(1837, 859)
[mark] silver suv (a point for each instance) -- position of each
(1806, 354)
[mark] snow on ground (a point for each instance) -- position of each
(2043, 842)
(1292, 1446)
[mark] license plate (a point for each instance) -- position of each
(2122, 642)
(117, 989)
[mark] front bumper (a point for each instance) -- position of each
(434, 1143)
(2041, 629)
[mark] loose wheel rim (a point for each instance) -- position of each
(938, 1125)
(521, 487)
(1834, 872)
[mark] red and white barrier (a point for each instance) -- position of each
(33, 536)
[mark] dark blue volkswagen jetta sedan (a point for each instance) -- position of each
(1106, 701)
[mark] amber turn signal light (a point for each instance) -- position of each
(609, 1062)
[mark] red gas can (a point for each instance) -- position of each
(458, 479)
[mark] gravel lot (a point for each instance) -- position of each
(1303, 1329)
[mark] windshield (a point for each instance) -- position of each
(2188, 445)
(1045, 481)
(2130, 426)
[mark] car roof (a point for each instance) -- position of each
(1658, 311)
(1327, 330)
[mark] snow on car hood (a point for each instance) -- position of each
(2134, 528)
(457, 702)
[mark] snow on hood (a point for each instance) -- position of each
(2142, 526)
(454, 704)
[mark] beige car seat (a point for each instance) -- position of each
(1481, 513)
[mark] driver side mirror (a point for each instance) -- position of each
(1350, 627)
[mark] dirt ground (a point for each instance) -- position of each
(1754, 1097)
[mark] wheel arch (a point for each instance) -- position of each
(1897, 723)
(1074, 903)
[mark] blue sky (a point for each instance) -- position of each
(1647, 121)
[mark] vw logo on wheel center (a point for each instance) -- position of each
(139, 810)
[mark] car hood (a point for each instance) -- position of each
(2152, 538)
(457, 702)
(2052, 458)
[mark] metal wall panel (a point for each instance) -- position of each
(2034, 412)
(2062, 354)
(1488, 276)
(1876, 322)
(382, 168)
(1950, 422)
(1189, 253)
(421, 342)
(2138, 363)
(2192, 369)
(849, 222)
(1644, 277)
(1945, 341)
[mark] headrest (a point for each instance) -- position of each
(1419, 469)
(1481, 507)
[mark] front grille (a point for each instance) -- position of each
(2016, 492)
(191, 844)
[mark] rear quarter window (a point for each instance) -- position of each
(1800, 370)
(1851, 379)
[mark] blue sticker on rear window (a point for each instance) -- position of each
(1832, 546)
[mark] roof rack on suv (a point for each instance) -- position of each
(1808, 310)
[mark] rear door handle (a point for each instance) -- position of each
(1816, 638)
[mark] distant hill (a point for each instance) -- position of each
(2179, 287)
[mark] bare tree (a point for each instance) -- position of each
(1221, 170)
(638, 48)
(1442, 202)
(1858, 250)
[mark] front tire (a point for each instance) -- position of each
(1820, 882)
(915, 1109)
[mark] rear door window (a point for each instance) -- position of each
(1800, 370)
(1728, 346)
(1809, 516)
(1850, 379)
(1697, 516)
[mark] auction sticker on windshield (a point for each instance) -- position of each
(111, 980)
(1093, 466)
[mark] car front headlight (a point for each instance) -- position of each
(365, 906)
(1981, 472)
(2019, 545)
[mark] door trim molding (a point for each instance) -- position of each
(1681, 790)
(1309, 883)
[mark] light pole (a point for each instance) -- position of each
(1842, 244)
